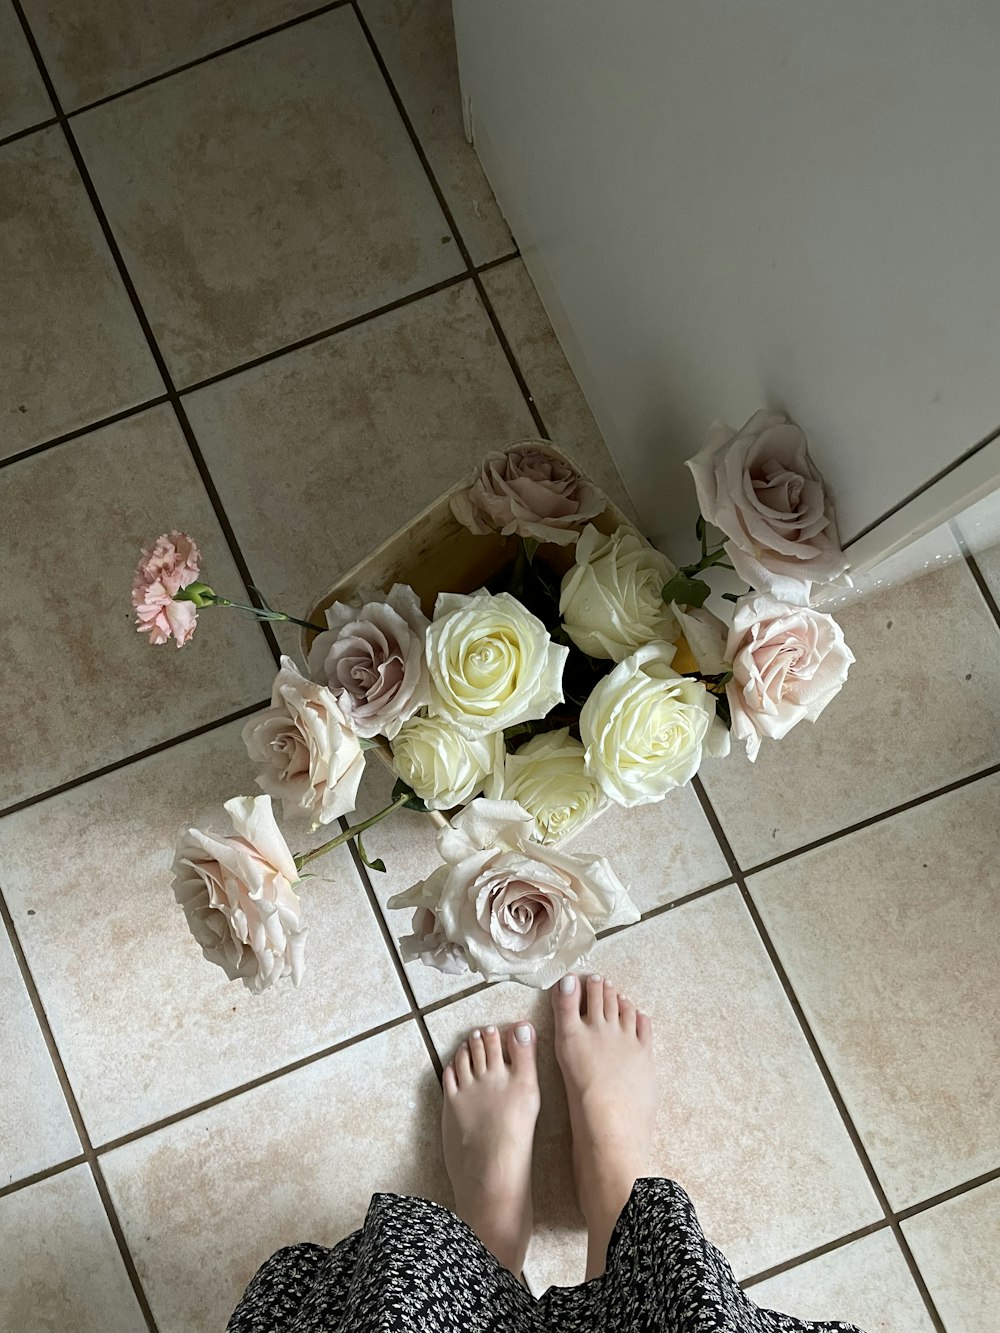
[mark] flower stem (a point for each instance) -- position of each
(305, 857)
(265, 613)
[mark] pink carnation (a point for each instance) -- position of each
(170, 564)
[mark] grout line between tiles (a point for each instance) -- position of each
(212, 55)
(817, 1054)
(123, 415)
(146, 327)
(869, 822)
(37, 1177)
(973, 567)
(817, 1253)
(452, 224)
(118, 764)
(397, 962)
(30, 129)
(74, 1110)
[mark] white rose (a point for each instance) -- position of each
(372, 658)
(759, 485)
(645, 728)
(444, 766)
(237, 895)
(788, 663)
(548, 776)
(312, 759)
(705, 635)
(429, 945)
(517, 909)
(492, 663)
(611, 600)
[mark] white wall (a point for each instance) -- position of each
(739, 202)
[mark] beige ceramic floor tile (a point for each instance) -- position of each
(324, 453)
(956, 1246)
(866, 1283)
(889, 938)
(205, 1202)
(979, 527)
(23, 100)
(921, 708)
(61, 1266)
(98, 47)
(747, 1125)
(266, 195)
(90, 689)
(71, 350)
(553, 386)
(35, 1126)
(144, 1024)
(416, 39)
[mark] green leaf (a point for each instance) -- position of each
(722, 710)
(686, 591)
(414, 803)
(377, 864)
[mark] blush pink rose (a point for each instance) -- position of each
(170, 564)
(237, 894)
(759, 485)
(529, 491)
(788, 663)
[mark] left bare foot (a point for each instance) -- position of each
(488, 1125)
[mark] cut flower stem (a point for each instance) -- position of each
(305, 857)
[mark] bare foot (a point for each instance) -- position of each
(488, 1124)
(605, 1051)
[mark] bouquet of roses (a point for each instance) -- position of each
(587, 673)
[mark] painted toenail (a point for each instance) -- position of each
(476, 1034)
(597, 977)
(523, 1033)
(491, 1029)
(568, 984)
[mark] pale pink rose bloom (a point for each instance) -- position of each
(312, 759)
(170, 564)
(759, 485)
(788, 663)
(238, 898)
(372, 658)
(429, 946)
(526, 490)
(518, 910)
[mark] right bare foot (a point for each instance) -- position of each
(605, 1051)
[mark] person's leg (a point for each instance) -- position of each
(488, 1124)
(605, 1051)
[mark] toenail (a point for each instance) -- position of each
(523, 1033)
(597, 977)
(568, 984)
(491, 1029)
(476, 1034)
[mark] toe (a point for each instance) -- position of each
(644, 1027)
(566, 997)
(626, 1014)
(450, 1080)
(463, 1065)
(493, 1045)
(595, 999)
(477, 1053)
(521, 1047)
(610, 1002)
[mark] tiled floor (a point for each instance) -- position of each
(267, 296)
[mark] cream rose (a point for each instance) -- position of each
(788, 663)
(312, 759)
(548, 776)
(528, 490)
(372, 659)
(645, 728)
(444, 766)
(517, 909)
(611, 600)
(491, 662)
(759, 485)
(429, 945)
(705, 635)
(237, 894)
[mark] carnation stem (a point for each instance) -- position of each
(266, 613)
(305, 857)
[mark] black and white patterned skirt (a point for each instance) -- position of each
(415, 1267)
